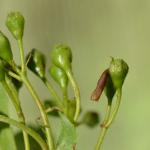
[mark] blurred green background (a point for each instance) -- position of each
(95, 30)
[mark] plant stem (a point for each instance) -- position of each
(76, 92)
(119, 94)
(42, 111)
(104, 130)
(107, 116)
(101, 138)
(53, 92)
(26, 129)
(108, 120)
(14, 75)
(16, 102)
(23, 65)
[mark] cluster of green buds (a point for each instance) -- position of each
(61, 57)
(111, 80)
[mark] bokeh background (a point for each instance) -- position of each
(95, 30)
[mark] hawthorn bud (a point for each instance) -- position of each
(118, 70)
(36, 63)
(61, 56)
(59, 76)
(15, 23)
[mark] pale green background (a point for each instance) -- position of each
(95, 29)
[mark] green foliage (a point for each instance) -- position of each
(67, 138)
(7, 141)
(5, 48)
(33, 144)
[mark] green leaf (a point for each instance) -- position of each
(33, 144)
(7, 141)
(67, 138)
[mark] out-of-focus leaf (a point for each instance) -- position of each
(33, 144)
(7, 141)
(67, 138)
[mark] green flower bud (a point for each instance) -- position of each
(91, 119)
(36, 63)
(5, 49)
(61, 56)
(2, 70)
(15, 23)
(118, 70)
(109, 89)
(59, 76)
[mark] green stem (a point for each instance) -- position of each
(119, 94)
(16, 102)
(23, 65)
(108, 120)
(14, 75)
(107, 116)
(101, 138)
(104, 130)
(26, 129)
(76, 92)
(51, 109)
(53, 92)
(42, 111)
